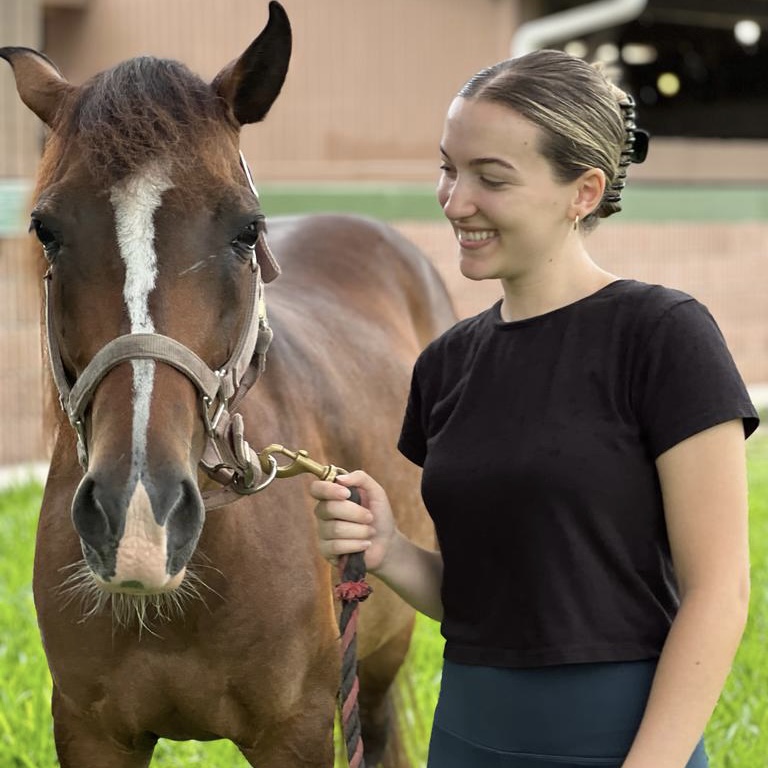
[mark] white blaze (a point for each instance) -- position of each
(135, 201)
(142, 550)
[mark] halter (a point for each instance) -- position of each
(227, 457)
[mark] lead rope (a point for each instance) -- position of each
(351, 590)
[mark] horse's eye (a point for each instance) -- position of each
(46, 237)
(246, 238)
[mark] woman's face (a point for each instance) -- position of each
(509, 214)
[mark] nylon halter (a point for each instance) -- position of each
(227, 457)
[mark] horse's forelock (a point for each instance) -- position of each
(142, 110)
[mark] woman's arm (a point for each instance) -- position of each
(345, 527)
(704, 487)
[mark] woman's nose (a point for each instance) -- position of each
(455, 198)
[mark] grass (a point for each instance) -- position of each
(393, 201)
(399, 201)
(737, 736)
(738, 732)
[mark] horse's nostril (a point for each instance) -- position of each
(185, 522)
(89, 515)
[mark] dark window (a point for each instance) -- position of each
(690, 73)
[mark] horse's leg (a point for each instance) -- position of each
(79, 746)
(290, 749)
(376, 674)
(302, 741)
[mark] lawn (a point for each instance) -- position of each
(737, 736)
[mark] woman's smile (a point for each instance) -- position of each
(472, 239)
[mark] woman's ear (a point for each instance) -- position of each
(588, 192)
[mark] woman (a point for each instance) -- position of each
(583, 452)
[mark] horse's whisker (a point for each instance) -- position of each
(128, 610)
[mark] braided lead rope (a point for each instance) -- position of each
(352, 590)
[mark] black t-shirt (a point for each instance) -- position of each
(538, 440)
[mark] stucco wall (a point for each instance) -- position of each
(723, 265)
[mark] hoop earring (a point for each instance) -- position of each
(576, 223)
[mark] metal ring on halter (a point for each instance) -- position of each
(264, 483)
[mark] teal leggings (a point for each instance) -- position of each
(568, 716)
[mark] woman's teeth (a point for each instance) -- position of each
(478, 235)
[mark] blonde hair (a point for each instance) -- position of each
(585, 120)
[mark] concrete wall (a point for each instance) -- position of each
(367, 90)
(723, 264)
(20, 131)
(368, 85)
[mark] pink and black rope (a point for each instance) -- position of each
(352, 590)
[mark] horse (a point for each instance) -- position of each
(173, 600)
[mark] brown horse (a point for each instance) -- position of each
(159, 620)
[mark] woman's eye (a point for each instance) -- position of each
(247, 237)
(492, 183)
(46, 236)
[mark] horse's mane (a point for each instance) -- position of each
(138, 111)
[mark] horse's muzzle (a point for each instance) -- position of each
(138, 538)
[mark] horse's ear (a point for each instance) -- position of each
(40, 84)
(251, 83)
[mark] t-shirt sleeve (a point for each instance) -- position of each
(687, 381)
(413, 442)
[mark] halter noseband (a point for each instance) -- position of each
(227, 457)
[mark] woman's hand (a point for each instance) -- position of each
(345, 527)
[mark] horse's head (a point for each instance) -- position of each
(149, 230)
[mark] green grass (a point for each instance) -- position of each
(393, 201)
(398, 202)
(737, 736)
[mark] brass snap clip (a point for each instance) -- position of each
(299, 464)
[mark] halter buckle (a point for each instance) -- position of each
(211, 422)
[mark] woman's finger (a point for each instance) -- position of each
(322, 490)
(342, 529)
(343, 510)
(332, 550)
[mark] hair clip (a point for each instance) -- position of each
(639, 145)
(636, 148)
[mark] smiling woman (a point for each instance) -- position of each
(499, 193)
(577, 462)
(513, 183)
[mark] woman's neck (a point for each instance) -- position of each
(554, 286)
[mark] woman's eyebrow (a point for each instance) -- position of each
(483, 160)
(492, 161)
